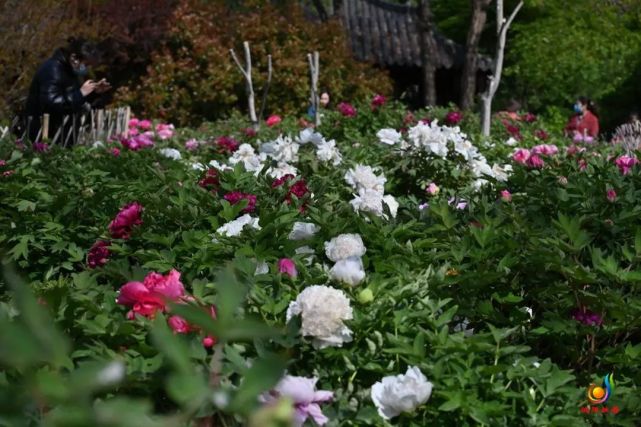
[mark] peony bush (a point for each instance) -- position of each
(385, 268)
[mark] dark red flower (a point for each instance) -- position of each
(250, 132)
(211, 180)
(453, 118)
(236, 196)
(528, 118)
(587, 317)
(227, 144)
(378, 101)
(98, 254)
(283, 179)
(541, 134)
(346, 109)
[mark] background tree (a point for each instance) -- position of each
(468, 78)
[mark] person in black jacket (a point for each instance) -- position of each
(56, 89)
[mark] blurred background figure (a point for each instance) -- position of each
(584, 124)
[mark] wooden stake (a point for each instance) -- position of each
(45, 127)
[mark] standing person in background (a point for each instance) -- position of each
(584, 124)
(58, 88)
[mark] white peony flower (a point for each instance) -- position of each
(281, 170)
(327, 152)
(261, 268)
(97, 144)
(501, 174)
(303, 230)
(220, 166)
(308, 135)
(363, 177)
(345, 246)
(234, 228)
(248, 157)
(171, 153)
(392, 204)
(283, 149)
(198, 166)
(511, 142)
(112, 373)
(401, 393)
(466, 149)
(304, 250)
(480, 167)
(323, 310)
(349, 271)
(368, 200)
(388, 136)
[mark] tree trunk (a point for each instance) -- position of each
(468, 79)
(428, 52)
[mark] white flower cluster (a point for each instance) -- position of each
(326, 151)
(346, 251)
(235, 227)
(248, 157)
(323, 310)
(442, 140)
(370, 188)
(401, 393)
(303, 230)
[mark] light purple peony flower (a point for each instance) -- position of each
(306, 399)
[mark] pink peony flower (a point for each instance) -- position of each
(535, 161)
(126, 219)
(115, 151)
(273, 120)
(287, 266)
(378, 101)
(179, 325)
(432, 189)
(209, 341)
(545, 149)
(583, 164)
(133, 132)
(625, 164)
(227, 144)
(521, 156)
(453, 118)
(506, 196)
(236, 196)
(8, 173)
(306, 399)
(164, 131)
(346, 109)
(133, 122)
(191, 145)
(611, 195)
(98, 255)
(3, 163)
(144, 124)
(250, 132)
(409, 118)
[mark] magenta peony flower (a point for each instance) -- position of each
(535, 161)
(287, 266)
(98, 255)
(299, 189)
(209, 341)
(611, 195)
(8, 173)
(378, 101)
(144, 124)
(115, 151)
(514, 131)
(164, 130)
(126, 219)
(521, 156)
(587, 317)
(545, 149)
(133, 122)
(306, 399)
(453, 118)
(227, 144)
(236, 196)
(625, 164)
(179, 325)
(541, 134)
(432, 189)
(506, 196)
(283, 179)
(346, 109)
(191, 145)
(150, 296)
(273, 120)
(40, 147)
(528, 118)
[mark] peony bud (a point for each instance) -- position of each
(366, 296)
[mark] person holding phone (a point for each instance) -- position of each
(59, 89)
